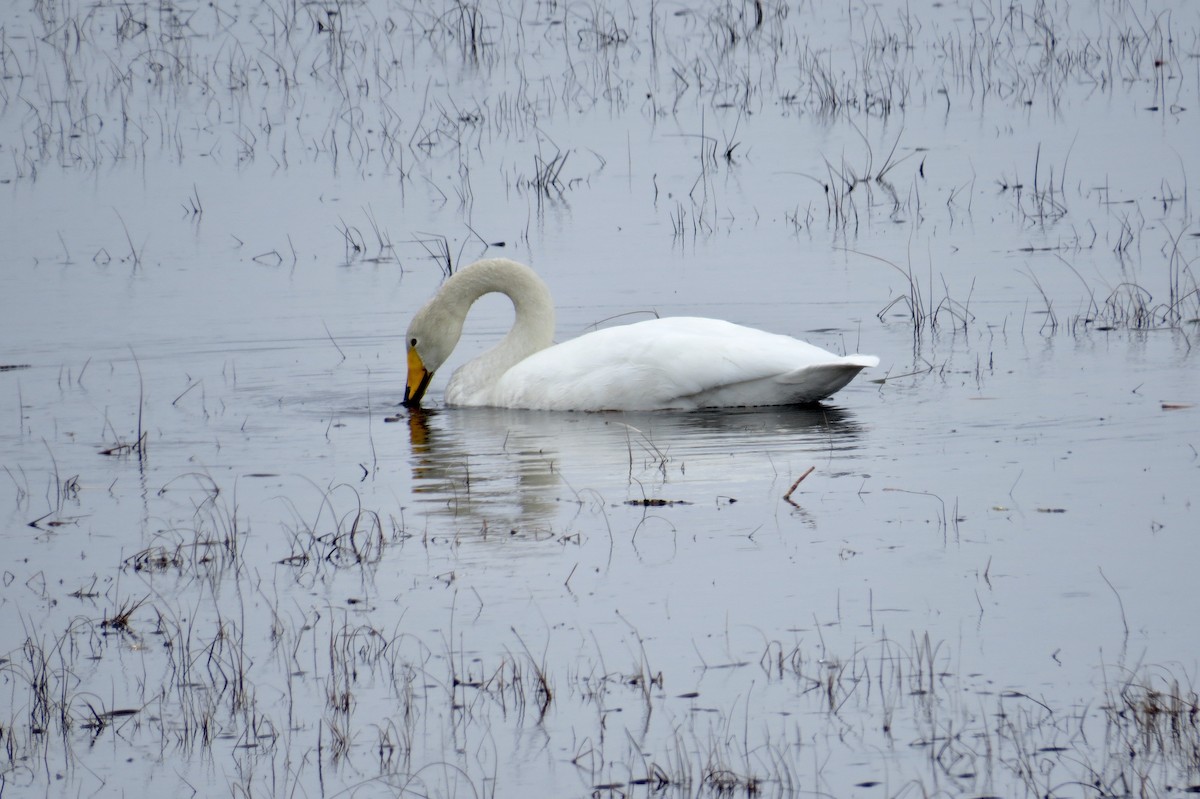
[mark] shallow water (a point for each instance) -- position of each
(218, 221)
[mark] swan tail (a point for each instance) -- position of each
(814, 383)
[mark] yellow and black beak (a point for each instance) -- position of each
(418, 380)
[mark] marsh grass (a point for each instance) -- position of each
(760, 51)
(1153, 731)
(719, 64)
(386, 698)
(356, 537)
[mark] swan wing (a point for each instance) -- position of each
(681, 362)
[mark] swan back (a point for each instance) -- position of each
(676, 362)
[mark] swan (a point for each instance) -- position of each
(674, 362)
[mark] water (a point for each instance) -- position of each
(218, 220)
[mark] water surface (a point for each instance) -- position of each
(218, 221)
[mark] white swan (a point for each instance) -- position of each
(680, 362)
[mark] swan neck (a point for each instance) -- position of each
(533, 323)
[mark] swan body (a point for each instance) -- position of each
(676, 362)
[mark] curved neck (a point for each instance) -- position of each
(533, 325)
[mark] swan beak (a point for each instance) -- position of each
(418, 379)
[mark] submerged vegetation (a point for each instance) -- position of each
(227, 575)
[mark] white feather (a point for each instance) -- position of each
(681, 362)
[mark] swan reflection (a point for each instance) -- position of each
(522, 469)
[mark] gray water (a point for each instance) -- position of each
(217, 220)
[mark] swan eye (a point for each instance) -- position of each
(412, 342)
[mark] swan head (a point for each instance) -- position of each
(432, 336)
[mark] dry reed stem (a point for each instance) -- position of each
(788, 495)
